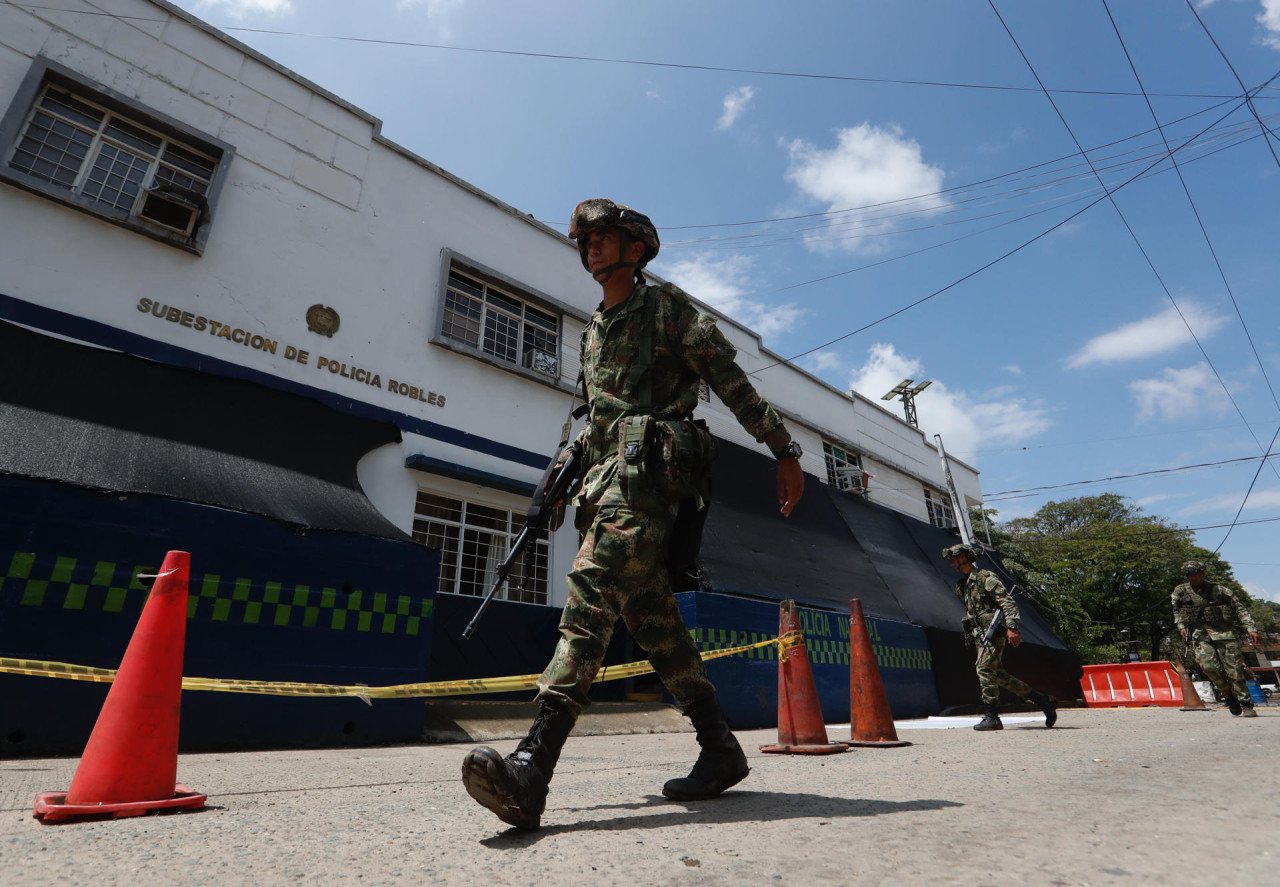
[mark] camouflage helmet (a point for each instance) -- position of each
(956, 550)
(1193, 567)
(591, 215)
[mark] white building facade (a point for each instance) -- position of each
(164, 181)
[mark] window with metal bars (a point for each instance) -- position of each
(492, 320)
(939, 507)
(473, 540)
(80, 146)
(844, 468)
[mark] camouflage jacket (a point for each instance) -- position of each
(685, 346)
(983, 593)
(1212, 609)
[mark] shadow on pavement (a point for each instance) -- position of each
(730, 808)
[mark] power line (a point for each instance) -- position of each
(1077, 483)
(1150, 264)
(1010, 252)
(1187, 190)
(761, 72)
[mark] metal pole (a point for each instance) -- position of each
(962, 514)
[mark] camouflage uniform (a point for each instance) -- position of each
(983, 593)
(621, 567)
(1214, 619)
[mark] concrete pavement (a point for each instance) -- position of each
(1123, 797)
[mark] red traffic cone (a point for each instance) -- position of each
(870, 723)
(131, 760)
(1191, 700)
(801, 730)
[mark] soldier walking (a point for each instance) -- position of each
(983, 594)
(643, 353)
(1212, 619)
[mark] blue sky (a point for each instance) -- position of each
(1068, 340)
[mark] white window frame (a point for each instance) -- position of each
(838, 456)
(938, 505)
(460, 572)
(176, 181)
(500, 322)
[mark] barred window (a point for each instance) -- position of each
(939, 507)
(481, 315)
(77, 145)
(473, 540)
(844, 467)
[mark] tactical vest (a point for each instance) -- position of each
(1210, 608)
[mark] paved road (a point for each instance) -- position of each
(1123, 797)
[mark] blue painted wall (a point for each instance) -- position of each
(747, 684)
(266, 603)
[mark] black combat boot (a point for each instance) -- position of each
(720, 764)
(990, 719)
(1046, 705)
(1233, 706)
(515, 787)
(1246, 710)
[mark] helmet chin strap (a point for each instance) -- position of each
(608, 270)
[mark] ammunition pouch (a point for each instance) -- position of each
(672, 457)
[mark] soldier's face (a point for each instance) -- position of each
(603, 248)
(1196, 578)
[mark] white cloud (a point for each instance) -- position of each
(1178, 393)
(734, 104)
(1270, 19)
(823, 361)
(239, 9)
(434, 7)
(1012, 368)
(1152, 335)
(1259, 500)
(868, 166)
(967, 423)
(721, 282)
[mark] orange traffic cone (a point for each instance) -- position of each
(131, 760)
(1191, 700)
(801, 730)
(870, 723)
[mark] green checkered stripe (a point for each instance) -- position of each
(821, 651)
(107, 587)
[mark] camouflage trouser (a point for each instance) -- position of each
(621, 570)
(1222, 663)
(992, 676)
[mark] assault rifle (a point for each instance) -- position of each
(996, 624)
(550, 493)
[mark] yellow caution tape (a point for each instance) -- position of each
(399, 691)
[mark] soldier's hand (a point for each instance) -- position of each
(1253, 638)
(1015, 637)
(790, 484)
(1184, 634)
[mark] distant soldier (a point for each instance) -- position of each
(983, 595)
(1212, 620)
(643, 353)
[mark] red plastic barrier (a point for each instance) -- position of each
(1131, 685)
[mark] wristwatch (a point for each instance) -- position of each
(792, 451)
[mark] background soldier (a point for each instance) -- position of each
(983, 594)
(1211, 619)
(643, 352)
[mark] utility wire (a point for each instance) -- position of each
(373, 41)
(1011, 252)
(1133, 234)
(1187, 190)
(990, 497)
(1235, 74)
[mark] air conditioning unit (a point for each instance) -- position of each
(163, 208)
(542, 362)
(852, 479)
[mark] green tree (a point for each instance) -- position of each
(1100, 571)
